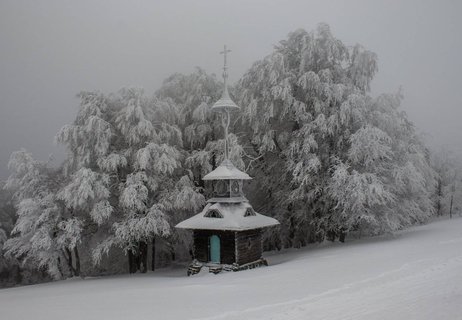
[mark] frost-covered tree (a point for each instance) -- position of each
(448, 191)
(297, 102)
(11, 273)
(89, 137)
(194, 95)
(43, 233)
(150, 163)
(326, 157)
(410, 177)
(85, 189)
(125, 153)
(3, 238)
(329, 154)
(389, 180)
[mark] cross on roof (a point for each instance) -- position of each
(225, 66)
(225, 53)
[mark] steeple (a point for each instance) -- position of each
(227, 232)
(225, 103)
(228, 186)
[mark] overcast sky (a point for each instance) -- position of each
(51, 50)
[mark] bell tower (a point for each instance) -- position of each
(227, 233)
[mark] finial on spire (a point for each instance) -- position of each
(225, 65)
(225, 105)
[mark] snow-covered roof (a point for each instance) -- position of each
(225, 102)
(232, 218)
(228, 200)
(226, 170)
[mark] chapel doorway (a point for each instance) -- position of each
(215, 249)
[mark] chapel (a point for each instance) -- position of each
(227, 233)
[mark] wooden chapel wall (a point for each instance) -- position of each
(249, 246)
(201, 245)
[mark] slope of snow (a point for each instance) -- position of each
(416, 274)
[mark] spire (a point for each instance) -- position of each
(225, 103)
(225, 67)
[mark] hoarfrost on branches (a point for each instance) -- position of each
(327, 159)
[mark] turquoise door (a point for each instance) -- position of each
(215, 249)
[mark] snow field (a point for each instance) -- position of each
(416, 274)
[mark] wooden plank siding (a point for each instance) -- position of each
(201, 245)
(248, 246)
(239, 247)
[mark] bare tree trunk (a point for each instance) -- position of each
(131, 262)
(68, 257)
(136, 256)
(172, 251)
(143, 256)
(439, 197)
(450, 207)
(67, 253)
(342, 235)
(77, 261)
(60, 268)
(330, 235)
(153, 253)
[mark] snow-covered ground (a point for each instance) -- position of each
(416, 274)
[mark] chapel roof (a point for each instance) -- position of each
(233, 218)
(226, 171)
(225, 102)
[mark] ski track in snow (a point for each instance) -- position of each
(416, 274)
(393, 289)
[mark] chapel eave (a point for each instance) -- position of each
(233, 219)
(226, 171)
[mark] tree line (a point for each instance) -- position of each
(327, 159)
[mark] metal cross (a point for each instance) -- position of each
(225, 66)
(225, 115)
(225, 53)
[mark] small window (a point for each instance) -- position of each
(213, 214)
(235, 189)
(249, 212)
(222, 187)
